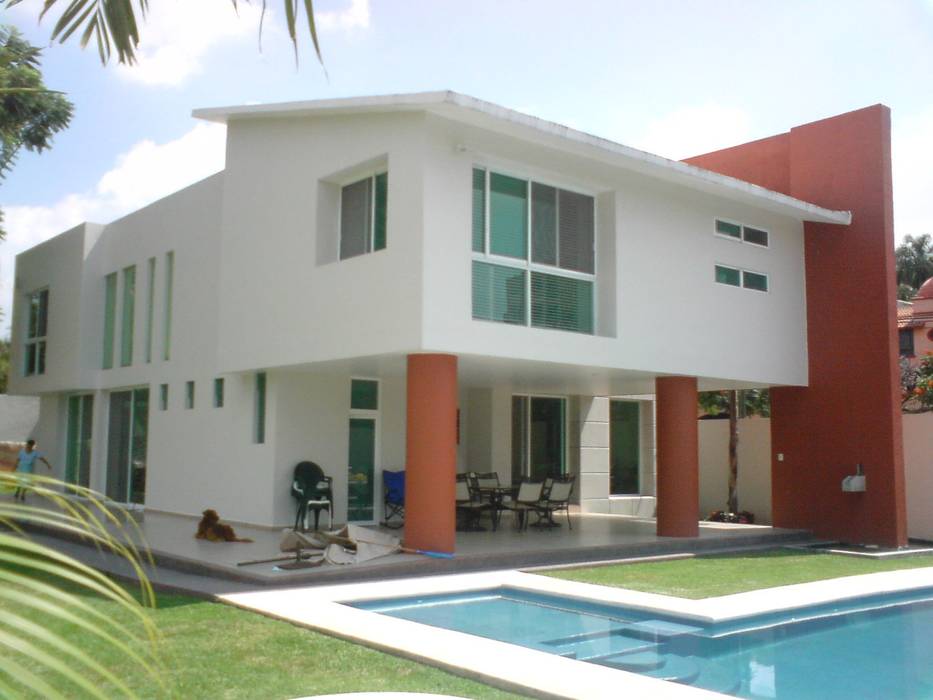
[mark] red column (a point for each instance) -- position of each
(431, 447)
(677, 457)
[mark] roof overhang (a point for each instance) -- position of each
(483, 114)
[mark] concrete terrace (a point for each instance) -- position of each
(184, 562)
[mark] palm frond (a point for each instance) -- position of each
(114, 24)
(39, 585)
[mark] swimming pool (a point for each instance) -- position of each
(877, 646)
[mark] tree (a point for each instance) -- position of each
(30, 113)
(735, 404)
(914, 263)
(114, 24)
(4, 364)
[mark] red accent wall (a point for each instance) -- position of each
(850, 412)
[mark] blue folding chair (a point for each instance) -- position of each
(393, 495)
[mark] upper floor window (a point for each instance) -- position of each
(36, 332)
(735, 277)
(741, 232)
(363, 215)
(533, 253)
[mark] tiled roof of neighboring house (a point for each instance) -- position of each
(916, 315)
(471, 110)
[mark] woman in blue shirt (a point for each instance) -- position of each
(25, 464)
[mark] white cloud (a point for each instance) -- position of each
(912, 154)
(145, 173)
(354, 16)
(692, 131)
(176, 36)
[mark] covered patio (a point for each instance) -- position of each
(210, 567)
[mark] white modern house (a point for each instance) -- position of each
(190, 353)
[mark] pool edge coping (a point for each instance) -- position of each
(508, 666)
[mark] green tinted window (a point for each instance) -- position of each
(563, 303)
(163, 397)
(727, 229)
(189, 394)
(110, 312)
(508, 216)
(167, 307)
(128, 318)
(219, 392)
(755, 235)
(753, 280)
(498, 293)
(364, 394)
(379, 222)
(479, 210)
(727, 275)
(543, 224)
(259, 409)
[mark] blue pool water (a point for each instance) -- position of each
(872, 647)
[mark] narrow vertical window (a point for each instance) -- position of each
(189, 394)
(36, 333)
(150, 306)
(167, 311)
(259, 409)
(219, 392)
(163, 397)
(479, 210)
(110, 312)
(128, 316)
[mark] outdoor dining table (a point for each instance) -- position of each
(496, 495)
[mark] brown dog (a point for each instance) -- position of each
(210, 528)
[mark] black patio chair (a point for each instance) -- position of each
(393, 498)
(313, 491)
(525, 502)
(470, 505)
(554, 498)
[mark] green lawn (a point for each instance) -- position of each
(702, 577)
(211, 650)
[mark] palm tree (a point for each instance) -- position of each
(114, 24)
(914, 261)
(36, 584)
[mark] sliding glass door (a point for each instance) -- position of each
(624, 433)
(126, 446)
(538, 437)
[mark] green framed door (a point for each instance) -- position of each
(624, 434)
(538, 437)
(127, 438)
(361, 463)
(78, 452)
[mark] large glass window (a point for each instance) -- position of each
(624, 438)
(533, 253)
(127, 320)
(36, 333)
(150, 306)
(363, 210)
(538, 437)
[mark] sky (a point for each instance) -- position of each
(674, 77)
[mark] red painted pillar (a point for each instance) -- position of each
(431, 447)
(677, 458)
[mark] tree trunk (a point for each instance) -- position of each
(733, 503)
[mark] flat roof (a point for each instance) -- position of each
(468, 109)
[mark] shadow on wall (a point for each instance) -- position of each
(19, 416)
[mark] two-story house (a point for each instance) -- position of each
(429, 282)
